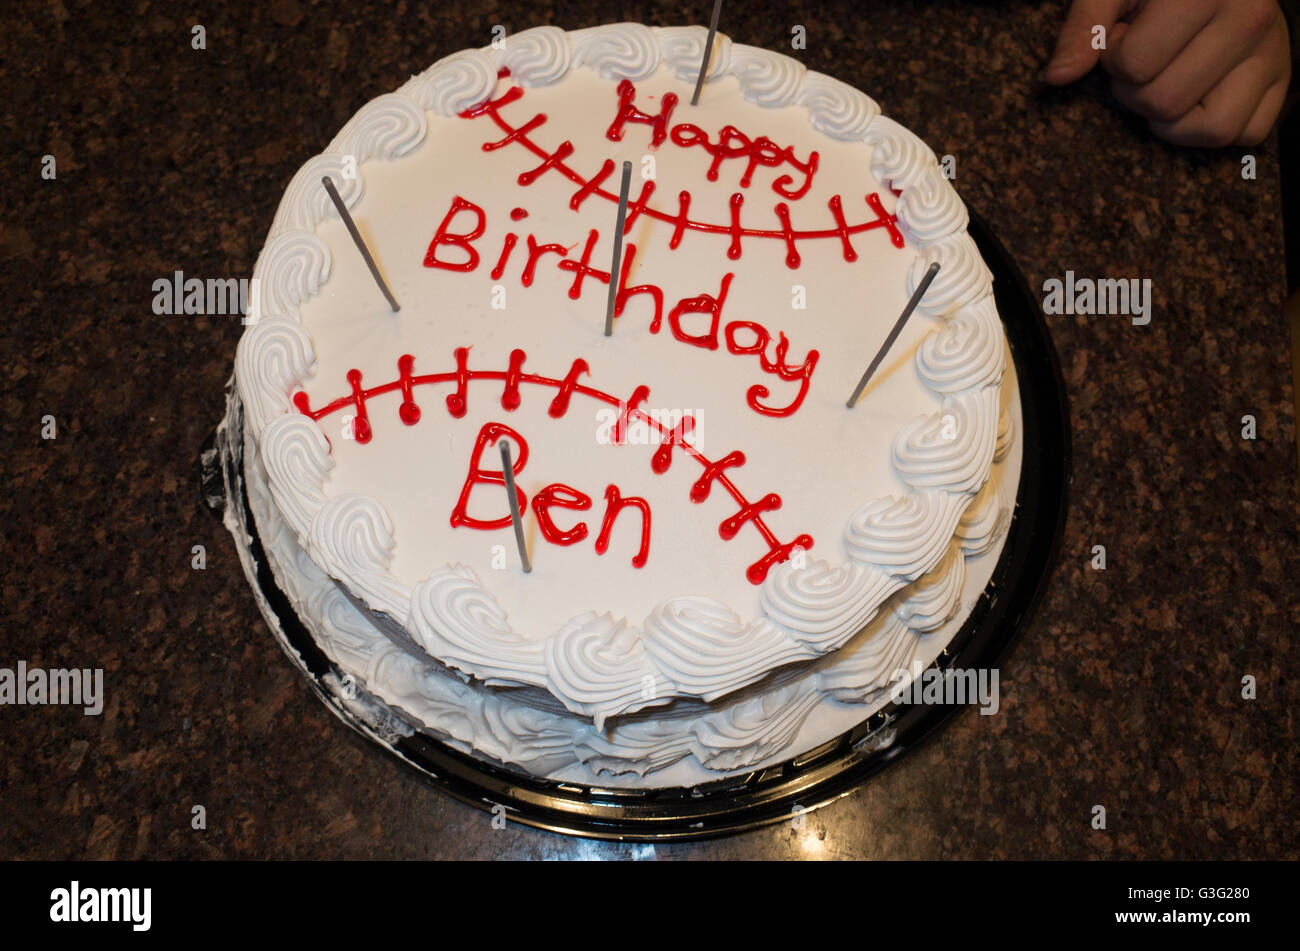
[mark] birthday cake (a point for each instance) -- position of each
(729, 565)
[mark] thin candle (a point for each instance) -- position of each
(917, 294)
(361, 245)
(618, 248)
(708, 51)
(508, 471)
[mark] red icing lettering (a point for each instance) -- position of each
(732, 143)
(514, 377)
(551, 161)
(729, 527)
(585, 192)
(704, 304)
(625, 293)
(803, 373)
(581, 268)
(615, 503)
(488, 436)
(464, 239)
(630, 113)
(535, 251)
(563, 497)
(507, 246)
(757, 572)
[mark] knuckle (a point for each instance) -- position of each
(1134, 64)
(1164, 105)
(1258, 16)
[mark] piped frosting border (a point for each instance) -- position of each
(687, 647)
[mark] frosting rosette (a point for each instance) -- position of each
(289, 271)
(297, 459)
(386, 128)
(936, 595)
(929, 208)
(704, 648)
(967, 352)
(898, 157)
(768, 79)
(274, 356)
(597, 667)
(963, 276)
(984, 521)
(836, 108)
(536, 57)
(683, 51)
(306, 204)
(453, 84)
(821, 604)
(620, 51)
(903, 535)
(953, 449)
(458, 621)
(352, 537)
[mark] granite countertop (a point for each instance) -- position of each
(1126, 691)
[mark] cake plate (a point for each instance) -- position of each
(808, 781)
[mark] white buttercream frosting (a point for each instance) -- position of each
(963, 276)
(273, 358)
(297, 459)
(683, 51)
(387, 127)
(836, 108)
(929, 208)
(306, 203)
(453, 84)
(898, 157)
(458, 621)
(536, 57)
(766, 78)
(598, 664)
(624, 51)
(291, 268)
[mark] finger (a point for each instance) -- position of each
(1222, 117)
(1154, 38)
(1276, 50)
(1265, 117)
(1202, 65)
(1074, 56)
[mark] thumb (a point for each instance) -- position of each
(1075, 56)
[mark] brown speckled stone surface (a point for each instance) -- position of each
(1125, 692)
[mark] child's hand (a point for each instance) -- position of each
(1206, 73)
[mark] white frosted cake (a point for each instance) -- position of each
(729, 565)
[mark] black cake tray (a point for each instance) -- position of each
(815, 778)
